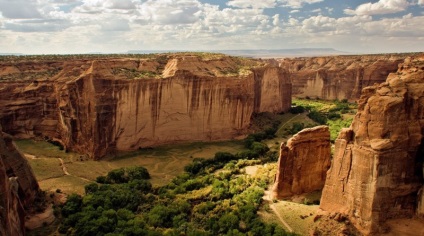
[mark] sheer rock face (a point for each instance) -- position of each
(18, 188)
(100, 106)
(338, 77)
(377, 168)
(303, 162)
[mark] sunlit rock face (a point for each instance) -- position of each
(377, 169)
(303, 163)
(18, 188)
(101, 106)
(339, 77)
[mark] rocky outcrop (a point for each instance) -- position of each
(303, 162)
(377, 168)
(18, 188)
(339, 77)
(100, 106)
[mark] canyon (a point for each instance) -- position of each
(99, 106)
(339, 77)
(377, 169)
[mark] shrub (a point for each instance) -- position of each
(91, 188)
(296, 127)
(117, 176)
(137, 172)
(318, 117)
(334, 116)
(297, 109)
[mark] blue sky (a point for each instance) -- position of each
(114, 26)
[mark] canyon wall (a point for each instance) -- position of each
(303, 163)
(377, 168)
(18, 188)
(100, 106)
(339, 77)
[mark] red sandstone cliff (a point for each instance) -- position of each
(338, 77)
(377, 168)
(18, 188)
(100, 106)
(303, 162)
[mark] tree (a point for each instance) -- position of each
(137, 172)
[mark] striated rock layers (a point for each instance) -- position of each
(377, 168)
(99, 106)
(339, 77)
(18, 188)
(303, 163)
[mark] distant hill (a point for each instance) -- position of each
(263, 53)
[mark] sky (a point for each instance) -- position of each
(117, 26)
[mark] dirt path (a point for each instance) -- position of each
(267, 197)
(62, 163)
(280, 218)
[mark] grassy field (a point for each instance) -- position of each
(298, 216)
(163, 163)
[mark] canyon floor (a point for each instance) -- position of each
(67, 172)
(56, 169)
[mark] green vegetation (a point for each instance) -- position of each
(193, 190)
(336, 114)
(163, 163)
(136, 74)
(212, 197)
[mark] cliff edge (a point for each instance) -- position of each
(103, 105)
(18, 188)
(377, 169)
(339, 77)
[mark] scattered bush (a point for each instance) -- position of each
(318, 117)
(297, 109)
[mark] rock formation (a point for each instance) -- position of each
(18, 188)
(377, 168)
(102, 105)
(339, 77)
(303, 162)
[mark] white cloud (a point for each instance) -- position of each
(115, 25)
(320, 23)
(252, 3)
(78, 26)
(276, 19)
(316, 10)
(36, 25)
(297, 3)
(19, 9)
(379, 8)
(102, 6)
(169, 12)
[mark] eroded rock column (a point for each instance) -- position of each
(376, 171)
(303, 163)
